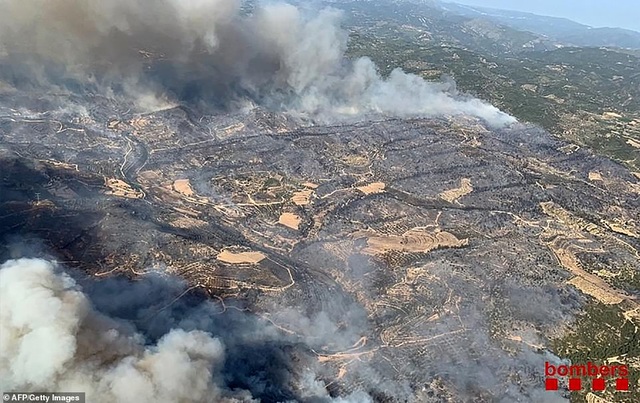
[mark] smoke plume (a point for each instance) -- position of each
(52, 338)
(215, 52)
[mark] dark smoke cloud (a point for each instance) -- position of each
(212, 51)
(54, 336)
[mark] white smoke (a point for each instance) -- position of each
(277, 56)
(51, 338)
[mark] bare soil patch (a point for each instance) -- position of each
(240, 257)
(290, 220)
(595, 176)
(121, 188)
(372, 188)
(183, 186)
(414, 240)
(302, 198)
(452, 195)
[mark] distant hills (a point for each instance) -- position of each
(490, 30)
(563, 30)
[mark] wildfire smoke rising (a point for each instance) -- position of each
(53, 338)
(212, 51)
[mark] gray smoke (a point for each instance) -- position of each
(52, 338)
(214, 51)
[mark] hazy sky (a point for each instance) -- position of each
(597, 13)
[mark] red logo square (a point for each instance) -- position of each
(598, 384)
(575, 384)
(622, 384)
(551, 384)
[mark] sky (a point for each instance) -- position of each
(597, 13)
